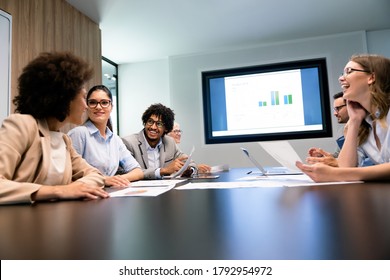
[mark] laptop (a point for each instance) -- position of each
(271, 170)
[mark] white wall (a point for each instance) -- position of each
(176, 82)
(379, 42)
(140, 85)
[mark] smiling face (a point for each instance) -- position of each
(100, 114)
(340, 110)
(355, 83)
(176, 133)
(154, 130)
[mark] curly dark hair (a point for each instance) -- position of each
(49, 83)
(164, 113)
(338, 95)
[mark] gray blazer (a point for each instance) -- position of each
(169, 151)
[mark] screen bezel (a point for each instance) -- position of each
(319, 63)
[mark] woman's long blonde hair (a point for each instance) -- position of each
(379, 89)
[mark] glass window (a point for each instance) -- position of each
(110, 80)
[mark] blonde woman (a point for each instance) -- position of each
(366, 86)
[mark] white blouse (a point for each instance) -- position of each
(57, 160)
(369, 148)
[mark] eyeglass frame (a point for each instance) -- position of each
(177, 131)
(99, 103)
(151, 122)
(350, 70)
(338, 108)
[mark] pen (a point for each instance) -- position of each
(249, 172)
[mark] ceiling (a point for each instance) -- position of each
(142, 30)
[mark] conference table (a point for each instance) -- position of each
(326, 222)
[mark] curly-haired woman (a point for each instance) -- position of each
(37, 161)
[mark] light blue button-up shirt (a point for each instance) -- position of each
(154, 156)
(106, 154)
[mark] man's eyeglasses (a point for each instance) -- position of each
(349, 70)
(177, 131)
(151, 122)
(338, 108)
(104, 103)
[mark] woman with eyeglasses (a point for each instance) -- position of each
(37, 161)
(366, 86)
(99, 146)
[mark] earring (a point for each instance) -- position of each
(377, 113)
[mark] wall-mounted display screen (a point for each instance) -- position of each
(280, 101)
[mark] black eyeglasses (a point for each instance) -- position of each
(349, 70)
(151, 122)
(338, 108)
(104, 103)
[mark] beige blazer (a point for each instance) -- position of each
(25, 158)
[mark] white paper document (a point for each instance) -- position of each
(261, 181)
(146, 188)
(283, 152)
(183, 168)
